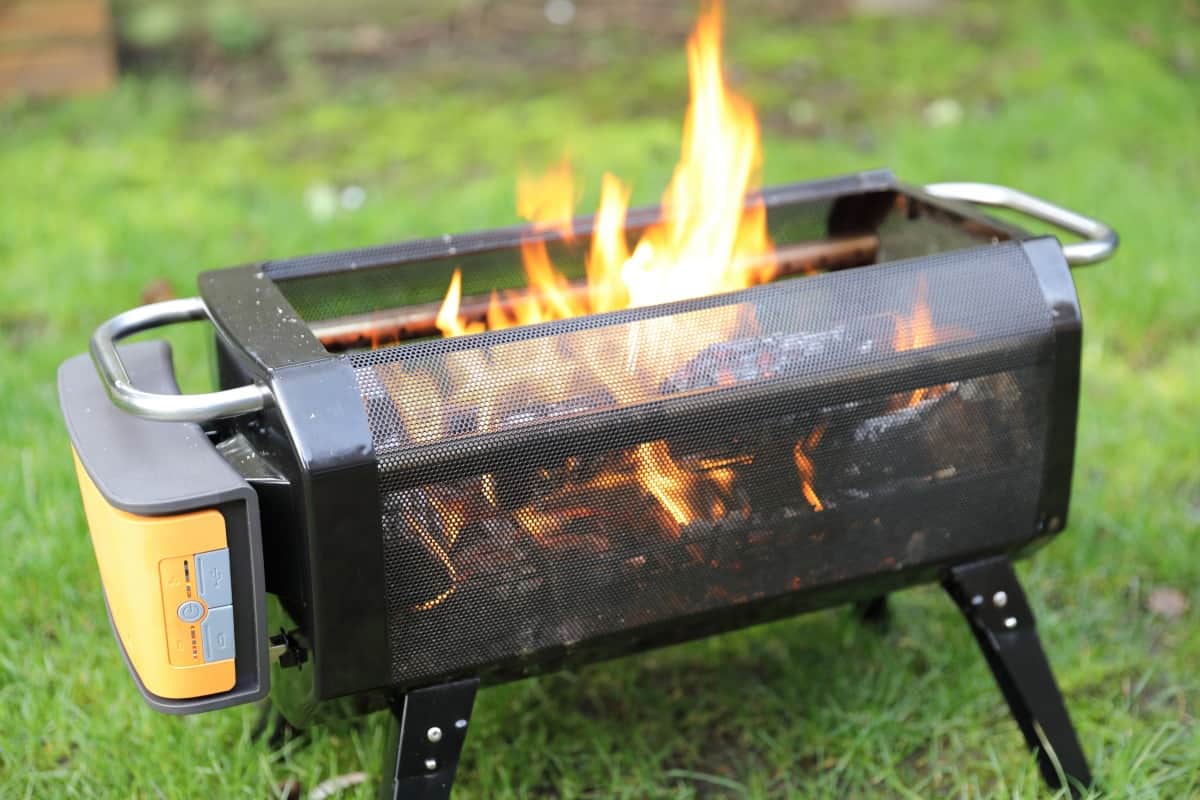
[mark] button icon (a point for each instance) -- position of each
(217, 633)
(212, 575)
(190, 611)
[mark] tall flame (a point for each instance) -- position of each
(711, 239)
(708, 233)
(610, 251)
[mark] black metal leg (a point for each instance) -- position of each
(274, 727)
(874, 612)
(990, 596)
(429, 728)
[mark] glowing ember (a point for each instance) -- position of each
(673, 486)
(430, 540)
(804, 466)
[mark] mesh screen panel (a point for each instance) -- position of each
(548, 487)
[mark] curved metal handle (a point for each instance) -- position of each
(165, 407)
(1101, 240)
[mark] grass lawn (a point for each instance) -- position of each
(1078, 102)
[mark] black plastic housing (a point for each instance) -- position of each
(152, 469)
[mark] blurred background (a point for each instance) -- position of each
(142, 141)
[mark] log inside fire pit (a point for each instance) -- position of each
(389, 326)
(478, 536)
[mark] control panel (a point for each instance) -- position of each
(197, 597)
(169, 587)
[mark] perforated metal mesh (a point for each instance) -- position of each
(549, 487)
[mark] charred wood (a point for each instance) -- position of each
(781, 355)
(390, 326)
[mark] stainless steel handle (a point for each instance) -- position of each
(165, 407)
(1100, 240)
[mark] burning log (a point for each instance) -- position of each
(594, 400)
(417, 536)
(936, 428)
(713, 502)
(378, 328)
(779, 355)
(906, 411)
(768, 457)
(750, 492)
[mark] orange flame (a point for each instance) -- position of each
(804, 466)
(681, 494)
(708, 232)
(710, 239)
(674, 487)
(548, 201)
(610, 251)
(448, 320)
(437, 544)
(916, 331)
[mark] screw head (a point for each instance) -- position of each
(977, 600)
(434, 734)
(460, 724)
(431, 764)
(1010, 622)
(1000, 599)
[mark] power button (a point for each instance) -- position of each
(190, 611)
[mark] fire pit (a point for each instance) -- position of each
(505, 503)
(849, 387)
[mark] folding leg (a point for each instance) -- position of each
(990, 596)
(874, 611)
(426, 739)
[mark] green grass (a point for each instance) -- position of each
(1078, 102)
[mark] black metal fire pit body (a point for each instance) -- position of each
(424, 515)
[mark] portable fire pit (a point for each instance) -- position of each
(897, 406)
